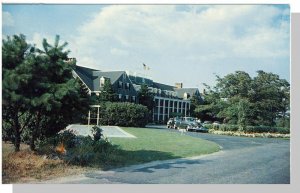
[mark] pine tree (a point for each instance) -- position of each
(145, 97)
(41, 96)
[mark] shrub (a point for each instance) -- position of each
(97, 133)
(68, 138)
(265, 129)
(208, 126)
(124, 114)
(46, 145)
(90, 152)
(226, 127)
(249, 129)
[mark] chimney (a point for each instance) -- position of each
(178, 85)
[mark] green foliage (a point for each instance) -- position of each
(124, 114)
(249, 129)
(107, 93)
(97, 133)
(40, 94)
(265, 129)
(92, 153)
(146, 98)
(239, 99)
(16, 55)
(195, 101)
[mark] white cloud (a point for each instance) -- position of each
(184, 36)
(37, 40)
(7, 19)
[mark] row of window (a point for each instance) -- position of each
(121, 85)
(170, 103)
(127, 98)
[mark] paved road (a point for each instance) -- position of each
(241, 161)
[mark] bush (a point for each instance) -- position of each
(46, 145)
(226, 127)
(7, 132)
(208, 126)
(249, 129)
(266, 129)
(68, 138)
(124, 114)
(97, 133)
(91, 152)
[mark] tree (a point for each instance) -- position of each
(146, 98)
(237, 84)
(58, 98)
(16, 55)
(239, 99)
(195, 101)
(47, 98)
(107, 93)
(271, 98)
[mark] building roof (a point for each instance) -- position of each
(163, 86)
(112, 75)
(141, 80)
(91, 77)
(191, 91)
(85, 74)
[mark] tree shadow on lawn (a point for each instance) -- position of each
(124, 158)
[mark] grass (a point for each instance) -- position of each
(27, 166)
(154, 144)
(150, 145)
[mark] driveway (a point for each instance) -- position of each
(241, 161)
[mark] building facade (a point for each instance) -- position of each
(169, 100)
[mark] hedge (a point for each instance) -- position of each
(124, 114)
(249, 129)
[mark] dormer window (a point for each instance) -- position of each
(102, 81)
(186, 95)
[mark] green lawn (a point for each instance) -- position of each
(155, 144)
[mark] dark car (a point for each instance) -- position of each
(202, 129)
(189, 124)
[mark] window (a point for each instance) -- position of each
(102, 81)
(120, 96)
(126, 97)
(120, 84)
(127, 86)
(186, 95)
(133, 98)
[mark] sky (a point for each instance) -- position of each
(178, 43)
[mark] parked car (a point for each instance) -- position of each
(173, 123)
(170, 123)
(202, 129)
(188, 123)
